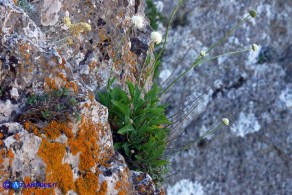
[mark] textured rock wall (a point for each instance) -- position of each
(253, 90)
(40, 53)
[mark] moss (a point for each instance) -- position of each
(52, 154)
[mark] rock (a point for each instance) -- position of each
(39, 54)
(253, 90)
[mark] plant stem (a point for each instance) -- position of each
(153, 67)
(197, 61)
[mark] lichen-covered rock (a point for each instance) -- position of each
(40, 53)
(253, 90)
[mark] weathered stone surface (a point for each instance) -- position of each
(37, 56)
(253, 90)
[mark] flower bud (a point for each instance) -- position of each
(202, 53)
(253, 13)
(254, 47)
(225, 121)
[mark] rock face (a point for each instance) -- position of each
(254, 90)
(39, 53)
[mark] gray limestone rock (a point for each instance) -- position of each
(254, 90)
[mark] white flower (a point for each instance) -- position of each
(254, 47)
(225, 121)
(156, 37)
(138, 21)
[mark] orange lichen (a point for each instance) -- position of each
(123, 192)
(72, 85)
(52, 154)
(1, 135)
(30, 127)
(91, 96)
(35, 191)
(62, 76)
(55, 129)
(10, 156)
(51, 83)
(103, 188)
(1, 142)
(2, 153)
(86, 143)
(16, 136)
(87, 185)
(118, 185)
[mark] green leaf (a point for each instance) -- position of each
(126, 129)
(110, 82)
(123, 108)
(118, 145)
(131, 89)
(126, 149)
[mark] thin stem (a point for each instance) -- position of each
(165, 40)
(210, 131)
(208, 50)
(228, 34)
(199, 59)
(176, 67)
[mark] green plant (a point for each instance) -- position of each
(153, 14)
(137, 122)
(26, 5)
(1, 91)
(57, 105)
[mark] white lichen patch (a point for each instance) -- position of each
(49, 12)
(14, 93)
(164, 74)
(246, 123)
(253, 56)
(6, 110)
(286, 97)
(186, 187)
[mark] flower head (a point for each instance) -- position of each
(138, 21)
(254, 47)
(225, 121)
(156, 37)
(253, 13)
(202, 53)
